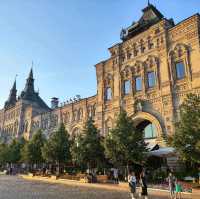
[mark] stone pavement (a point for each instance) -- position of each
(13, 187)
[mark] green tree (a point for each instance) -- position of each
(32, 150)
(4, 153)
(57, 148)
(124, 144)
(14, 150)
(76, 151)
(186, 138)
(88, 149)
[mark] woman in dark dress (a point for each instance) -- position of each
(143, 184)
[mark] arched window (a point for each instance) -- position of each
(108, 85)
(127, 87)
(80, 114)
(152, 72)
(151, 80)
(75, 115)
(108, 94)
(126, 76)
(138, 83)
(150, 131)
(179, 59)
(180, 70)
(138, 76)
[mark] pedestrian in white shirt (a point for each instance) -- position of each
(132, 184)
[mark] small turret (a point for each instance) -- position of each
(54, 102)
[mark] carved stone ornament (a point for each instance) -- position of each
(138, 105)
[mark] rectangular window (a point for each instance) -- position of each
(180, 70)
(151, 79)
(127, 87)
(108, 93)
(138, 83)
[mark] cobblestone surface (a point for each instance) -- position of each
(13, 187)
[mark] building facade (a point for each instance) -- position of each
(148, 74)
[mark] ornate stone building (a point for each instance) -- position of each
(148, 74)
(17, 114)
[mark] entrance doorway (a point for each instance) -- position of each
(148, 128)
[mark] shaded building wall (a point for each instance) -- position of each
(73, 116)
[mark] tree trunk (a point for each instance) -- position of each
(58, 169)
(127, 168)
(88, 167)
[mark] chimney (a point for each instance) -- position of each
(54, 102)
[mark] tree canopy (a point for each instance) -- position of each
(186, 139)
(57, 148)
(88, 149)
(14, 149)
(32, 151)
(4, 152)
(124, 144)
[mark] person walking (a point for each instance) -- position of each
(171, 182)
(132, 184)
(178, 189)
(143, 184)
(115, 175)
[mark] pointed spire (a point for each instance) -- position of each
(149, 3)
(14, 84)
(14, 88)
(29, 87)
(31, 73)
(12, 96)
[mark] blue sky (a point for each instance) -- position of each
(65, 39)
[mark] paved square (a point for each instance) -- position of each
(13, 187)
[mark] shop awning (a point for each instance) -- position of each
(162, 152)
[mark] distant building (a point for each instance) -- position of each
(148, 74)
(15, 118)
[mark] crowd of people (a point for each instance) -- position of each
(175, 187)
(134, 181)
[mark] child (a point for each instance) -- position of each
(132, 184)
(178, 189)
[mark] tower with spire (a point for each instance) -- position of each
(29, 92)
(12, 97)
(30, 95)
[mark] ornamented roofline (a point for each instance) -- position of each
(117, 45)
(151, 15)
